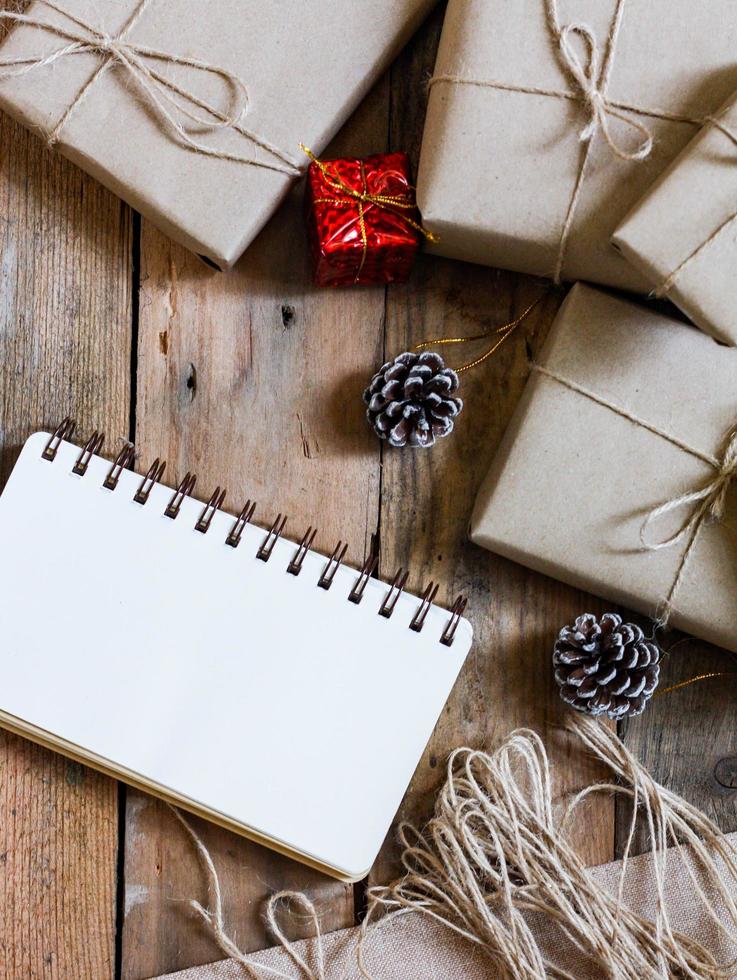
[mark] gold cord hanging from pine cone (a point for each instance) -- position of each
(412, 400)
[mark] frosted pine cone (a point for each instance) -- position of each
(606, 667)
(410, 400)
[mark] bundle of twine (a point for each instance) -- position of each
(494, 859)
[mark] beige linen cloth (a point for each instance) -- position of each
(413, 947)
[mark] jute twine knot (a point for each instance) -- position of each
(588, 78)
(174, 106)
(707, 502)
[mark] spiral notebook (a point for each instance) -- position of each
(211, 662)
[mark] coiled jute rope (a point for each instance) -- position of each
(495, 860)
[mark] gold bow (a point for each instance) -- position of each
(174, 106)
(394, 203)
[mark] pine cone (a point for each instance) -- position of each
(606, 667)
(410, 400)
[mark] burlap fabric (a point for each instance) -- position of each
(413, 947)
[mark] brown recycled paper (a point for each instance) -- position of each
(682, 236)
(499, 168)
(306, 66)
(415, 947)
(575, 478)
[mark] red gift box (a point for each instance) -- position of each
(363, 220)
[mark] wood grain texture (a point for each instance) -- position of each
(687, 738)
(65, 309)
(427, 498)
(253, 380)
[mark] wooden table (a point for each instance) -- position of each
(253, 379)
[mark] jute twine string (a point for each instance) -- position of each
(494, 853)
(214, 920)
(667, 284)
(590, 80)
(173, 105)
(706, 503)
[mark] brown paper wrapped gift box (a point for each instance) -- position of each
(306, 66)
(627, 410)
(682, 236)
(500, 165)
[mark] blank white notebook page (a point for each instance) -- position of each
(215, 677)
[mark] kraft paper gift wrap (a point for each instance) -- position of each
(305, 65)
(621, 444)
(538, 112)
(682, 235)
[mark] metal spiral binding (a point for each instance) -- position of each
(369, 567)
(392, 597)
(125, 457)
(184, 489)
(428, 597)
(91, 448)
(295, 565)
(122, 460)
(264, 552)
(234, 538)
(63, 431)
(456, 612)
(155, 472)
(334, 563)
(212, 506)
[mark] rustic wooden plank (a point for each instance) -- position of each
(65, 312)
(427, 498)
(687, 738)
(253, 379)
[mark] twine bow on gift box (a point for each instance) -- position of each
(706, 502)
(590, 82)
(346, 196)
(173, 105)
